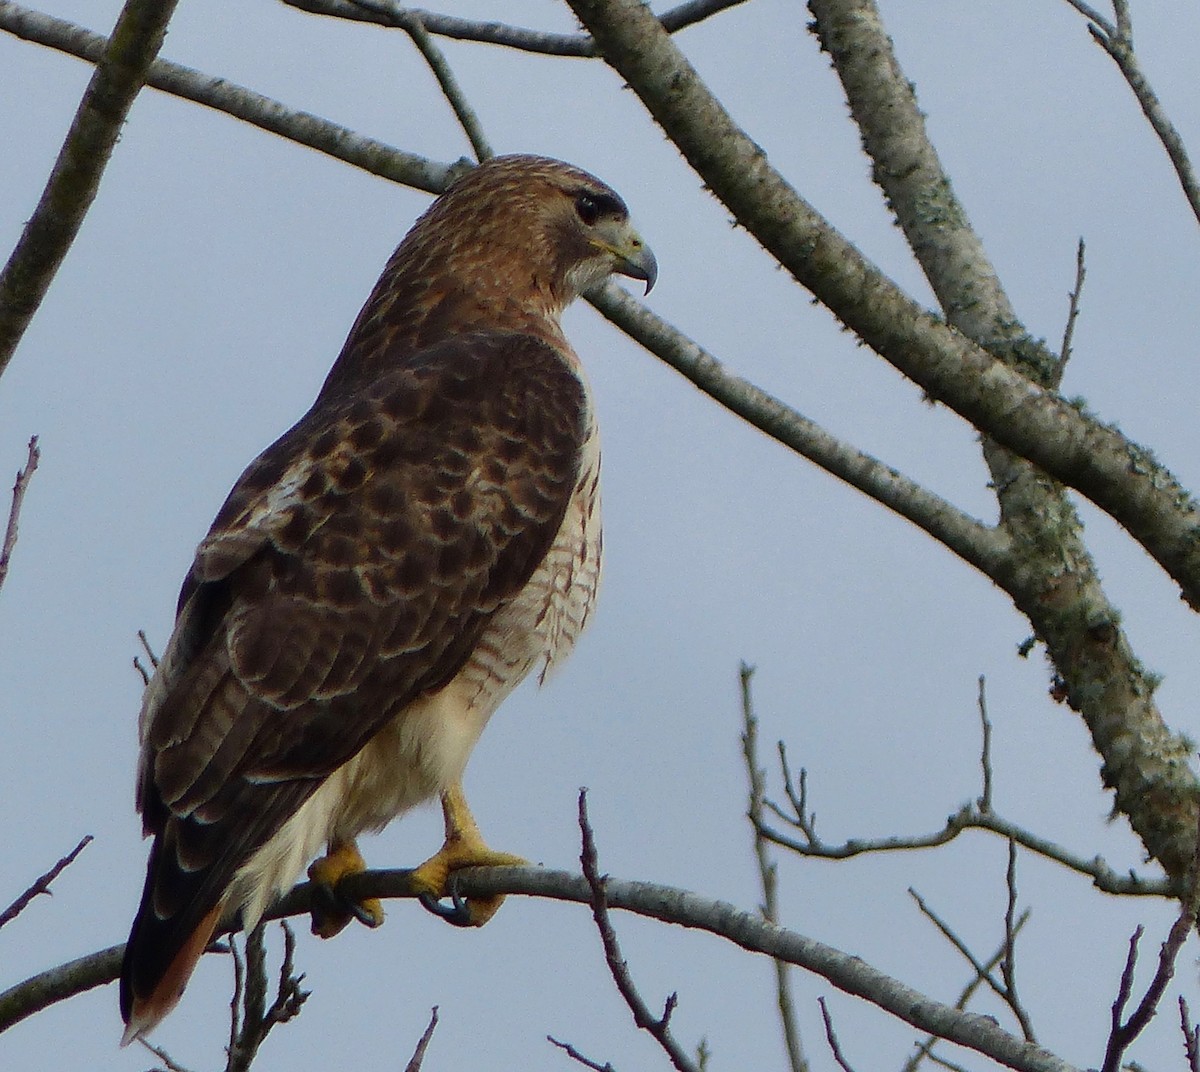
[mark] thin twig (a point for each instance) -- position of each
(146, 675)
(982, 972)
(1123, 1034)
(575, 1055)
(985, 752)
(418, 1057)
(75, 178)
(831, 1037)
(411, 23)
(514, 37)
(169, 1063)
(256, 1017)
(981, 975)
(969, 817)
(18, 498)
(1117, 40)
(222, 95)
(1191, 1035)
(1008, 965)
(767, 871)
(42, 885)
(658, 1027)
(1064, 352)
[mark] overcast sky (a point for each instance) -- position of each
(194, 320)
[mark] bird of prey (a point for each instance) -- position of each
(383, 575)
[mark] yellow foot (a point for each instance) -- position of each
(332, 909)
(464, 847)
(432, 878)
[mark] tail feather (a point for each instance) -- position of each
(143, 1010)
(175, 922)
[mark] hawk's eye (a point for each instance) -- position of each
(587, 208)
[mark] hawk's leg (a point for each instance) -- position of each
(464, 847)
(331, 909)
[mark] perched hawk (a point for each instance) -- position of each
(383, 575)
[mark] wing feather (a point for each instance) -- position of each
(351, 569)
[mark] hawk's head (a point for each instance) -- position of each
(528, 227)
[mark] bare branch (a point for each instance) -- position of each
(1090, 13)
(42, 885)
(1117, 41)
(221, 95)
(1191, 1036)
(985, 753)
(137, 662)
(1123, 1034)
(982, 546)
(982, 975)
(18, 497)
(969, 817)
(169, 1063)
(767, 871)
(75, 178)
(257, 1018)
(418, 1057)
(575, 1055)
(1064, 351)
(498, 33)
(831, 1038)
(658, 1027)
(1001, 402)
(747, 930)
(1008, 965)
(410, 22)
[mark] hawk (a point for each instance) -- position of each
(383, 575)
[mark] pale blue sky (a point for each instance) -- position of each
(194, 320)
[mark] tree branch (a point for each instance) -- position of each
(1117, 41)
(340, 142)
(767, 871)
(664, 903)
(20, 486)
(980, 545)
(42, 885)
(498, 33)
(658, 1027)
(75, 178)
(411, 24)
(1122, 478)
(418, 1057)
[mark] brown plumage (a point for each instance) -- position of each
(385, 573)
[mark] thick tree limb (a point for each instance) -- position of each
(982, 546)
(1103, 680)
(1035, 423)
(745, 929)
(1122, 478)
(71, 189)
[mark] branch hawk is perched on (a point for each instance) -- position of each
(383, 575)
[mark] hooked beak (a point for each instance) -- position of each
(637, 261)
(633, 257)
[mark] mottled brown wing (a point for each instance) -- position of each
(351, 569)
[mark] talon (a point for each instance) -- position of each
(464, 847)
(331, 909)
(457, 913)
